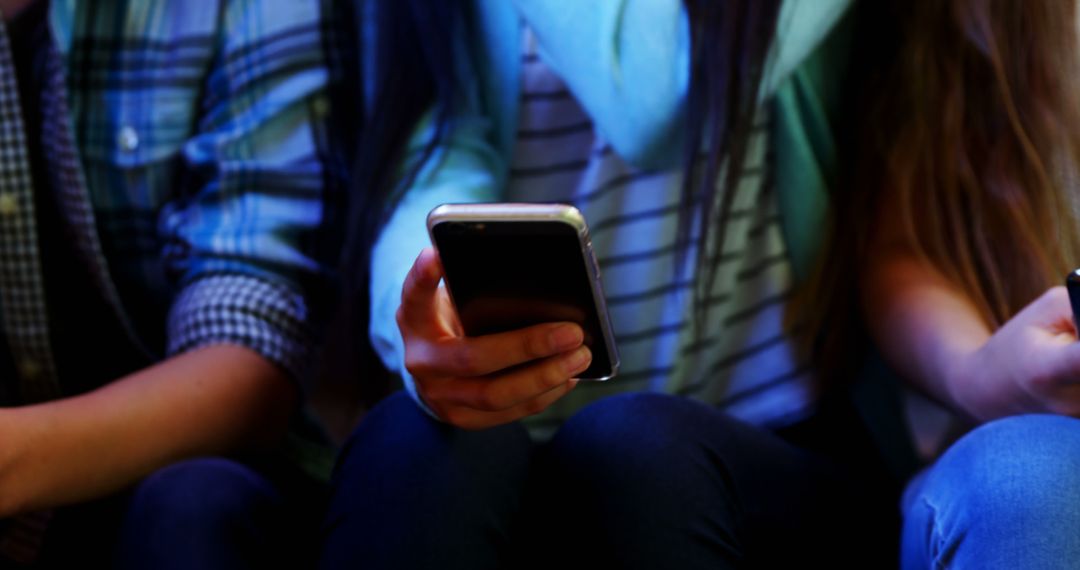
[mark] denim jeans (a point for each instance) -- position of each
(1006, 495)
(633, 481)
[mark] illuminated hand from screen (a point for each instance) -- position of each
(484, 381)
(1031, 364)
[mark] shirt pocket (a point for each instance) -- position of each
(133, 147)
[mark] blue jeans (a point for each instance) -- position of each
(1006, 495)
(409, 492)
(633, 481)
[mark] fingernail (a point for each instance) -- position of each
(579, 360)
(565, 337)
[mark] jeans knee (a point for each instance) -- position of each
(633, 434)
(411, 492)
(202, 494)
(400, 441)
(1026, 462)
(647, 477)
(203, 513)
(1018, 474)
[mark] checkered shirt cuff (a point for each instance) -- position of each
(268, 318)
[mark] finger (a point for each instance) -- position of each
(472, 419)
(420, 291)
(478, 357)
(502, 392)
(1066, 368)
(489, 354)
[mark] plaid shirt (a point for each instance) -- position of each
(190, 156)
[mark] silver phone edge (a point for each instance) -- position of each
(507, 212)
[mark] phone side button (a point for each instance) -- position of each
(595, 264)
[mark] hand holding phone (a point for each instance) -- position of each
(1030, 364)
(509, 266)
(482, 381)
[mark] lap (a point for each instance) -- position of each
(663, 480)
(654, 476)
(205, 513)
(410, 492)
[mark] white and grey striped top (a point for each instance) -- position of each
(743, 361)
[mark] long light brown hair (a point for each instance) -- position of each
(974, 129)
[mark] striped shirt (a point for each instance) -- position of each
(743, 361)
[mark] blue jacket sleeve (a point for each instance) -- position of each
(462, 169)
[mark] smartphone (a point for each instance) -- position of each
(509, 266)
(1072, 285)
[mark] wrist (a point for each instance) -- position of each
(414, 392)
(961, 381)
(12, 450)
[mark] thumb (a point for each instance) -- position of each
(420, 292)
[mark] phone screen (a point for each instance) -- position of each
(506, 275)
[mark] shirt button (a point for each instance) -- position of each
(128, 139)
(321, 107)
(9, 204)
(29, 369)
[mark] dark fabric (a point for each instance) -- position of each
(655, 481)
(409, 492)
(82, 325)
(208, 513)
(634, 481)
(29, 34)
(83, 535)
(201, 513)
(26, 37)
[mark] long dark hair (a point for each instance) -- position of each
(411, 72)
(415, 67)
(730, 42)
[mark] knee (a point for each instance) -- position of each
(202, 491)
(1020, 473)
(400, 459)
(203, 513)
(398, 440)
(409, 490)
(200, 496)
(630, 435)
(638, 471)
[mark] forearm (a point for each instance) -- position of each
(923, 325)
(209, 401)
